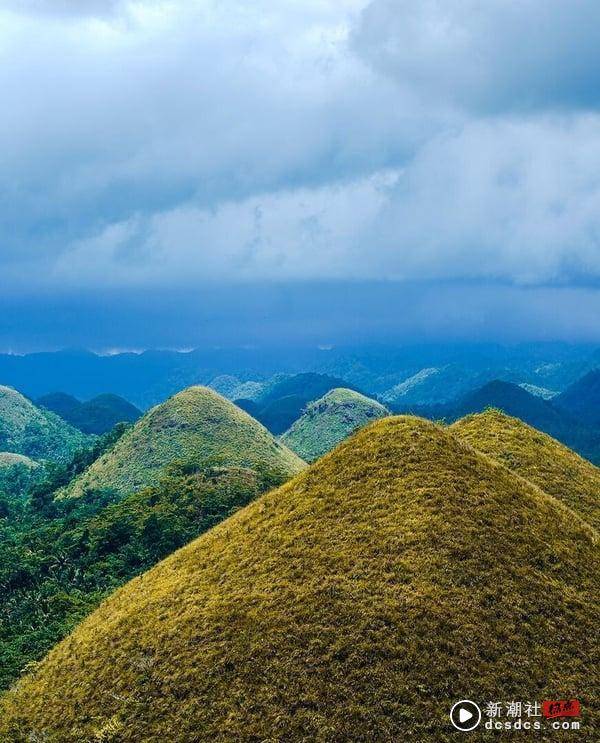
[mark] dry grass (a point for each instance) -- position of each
(194, 425)
(400, 573)
(536, 456)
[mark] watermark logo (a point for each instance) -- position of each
(570, 708)
(548, 715)
(465, 715)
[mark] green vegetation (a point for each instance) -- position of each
(330, 420)
(357, 602)
(536, 456)
(39, 434)
(196, 424)
(284, 400)
(56, 568)
(96, 416)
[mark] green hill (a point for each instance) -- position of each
(537, 457)
(38, 434)
(193, 426)
(96, 416)
(358, 602)
(330, 420)
(283, 401)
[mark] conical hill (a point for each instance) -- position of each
(399, 574)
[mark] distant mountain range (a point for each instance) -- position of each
(409, 374)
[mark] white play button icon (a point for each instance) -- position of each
(465, 715)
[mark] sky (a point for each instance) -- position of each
(179, 172)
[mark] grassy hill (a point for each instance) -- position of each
(283, 401)
(582, 399)
(97, 416)
(38, 434)
(356, 603)
(537, 457)
(330, 420)
(194, 425)
(512, 399)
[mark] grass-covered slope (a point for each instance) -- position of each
(330, 420)
(194, 425)
(536, 456)
(55, 569)
(36, 433)
(400, 573)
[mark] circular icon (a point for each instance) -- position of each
(465, 715)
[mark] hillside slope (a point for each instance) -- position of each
(39, 434)
(539, 458)
(582, 398)
(356, 603)
(330, 420)
(193, 426)
(8, 459)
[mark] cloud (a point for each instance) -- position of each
(64, 8)
(493, 56)
(175, 142)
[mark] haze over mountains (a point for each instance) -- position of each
(151, 377)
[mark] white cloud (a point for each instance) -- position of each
(174, 141)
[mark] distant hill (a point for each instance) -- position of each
(233, 389)
(582, 399)
(38, 434)
(96, 416)
(357, 603)
(60, 403)
(537, 457)
(283, 402)
(543, 392)
(512, 399)
(329, 420)
(194, 425)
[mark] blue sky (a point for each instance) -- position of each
(157, 154)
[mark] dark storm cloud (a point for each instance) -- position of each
(152, 145)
